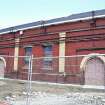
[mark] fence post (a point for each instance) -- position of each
(29, 82)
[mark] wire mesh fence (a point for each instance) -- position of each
(10, 88)
(17, 75)
(79, 69)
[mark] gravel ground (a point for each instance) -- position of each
(14, 92)
(66, 99)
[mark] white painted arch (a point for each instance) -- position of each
(4, 61)
(2, 67)
(89, 56)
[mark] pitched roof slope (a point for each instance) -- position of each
(73, 17)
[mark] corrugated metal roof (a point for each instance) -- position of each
(73, 17)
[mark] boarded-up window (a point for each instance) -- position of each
(47, 61)
(28, 52)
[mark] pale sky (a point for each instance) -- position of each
(15, 12)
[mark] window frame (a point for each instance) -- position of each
(47, 62)
(26, 59)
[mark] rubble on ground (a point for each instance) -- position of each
(42, 98)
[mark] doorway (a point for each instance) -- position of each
(94, 72)
(2, 68)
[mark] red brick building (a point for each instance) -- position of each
(77, 34)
